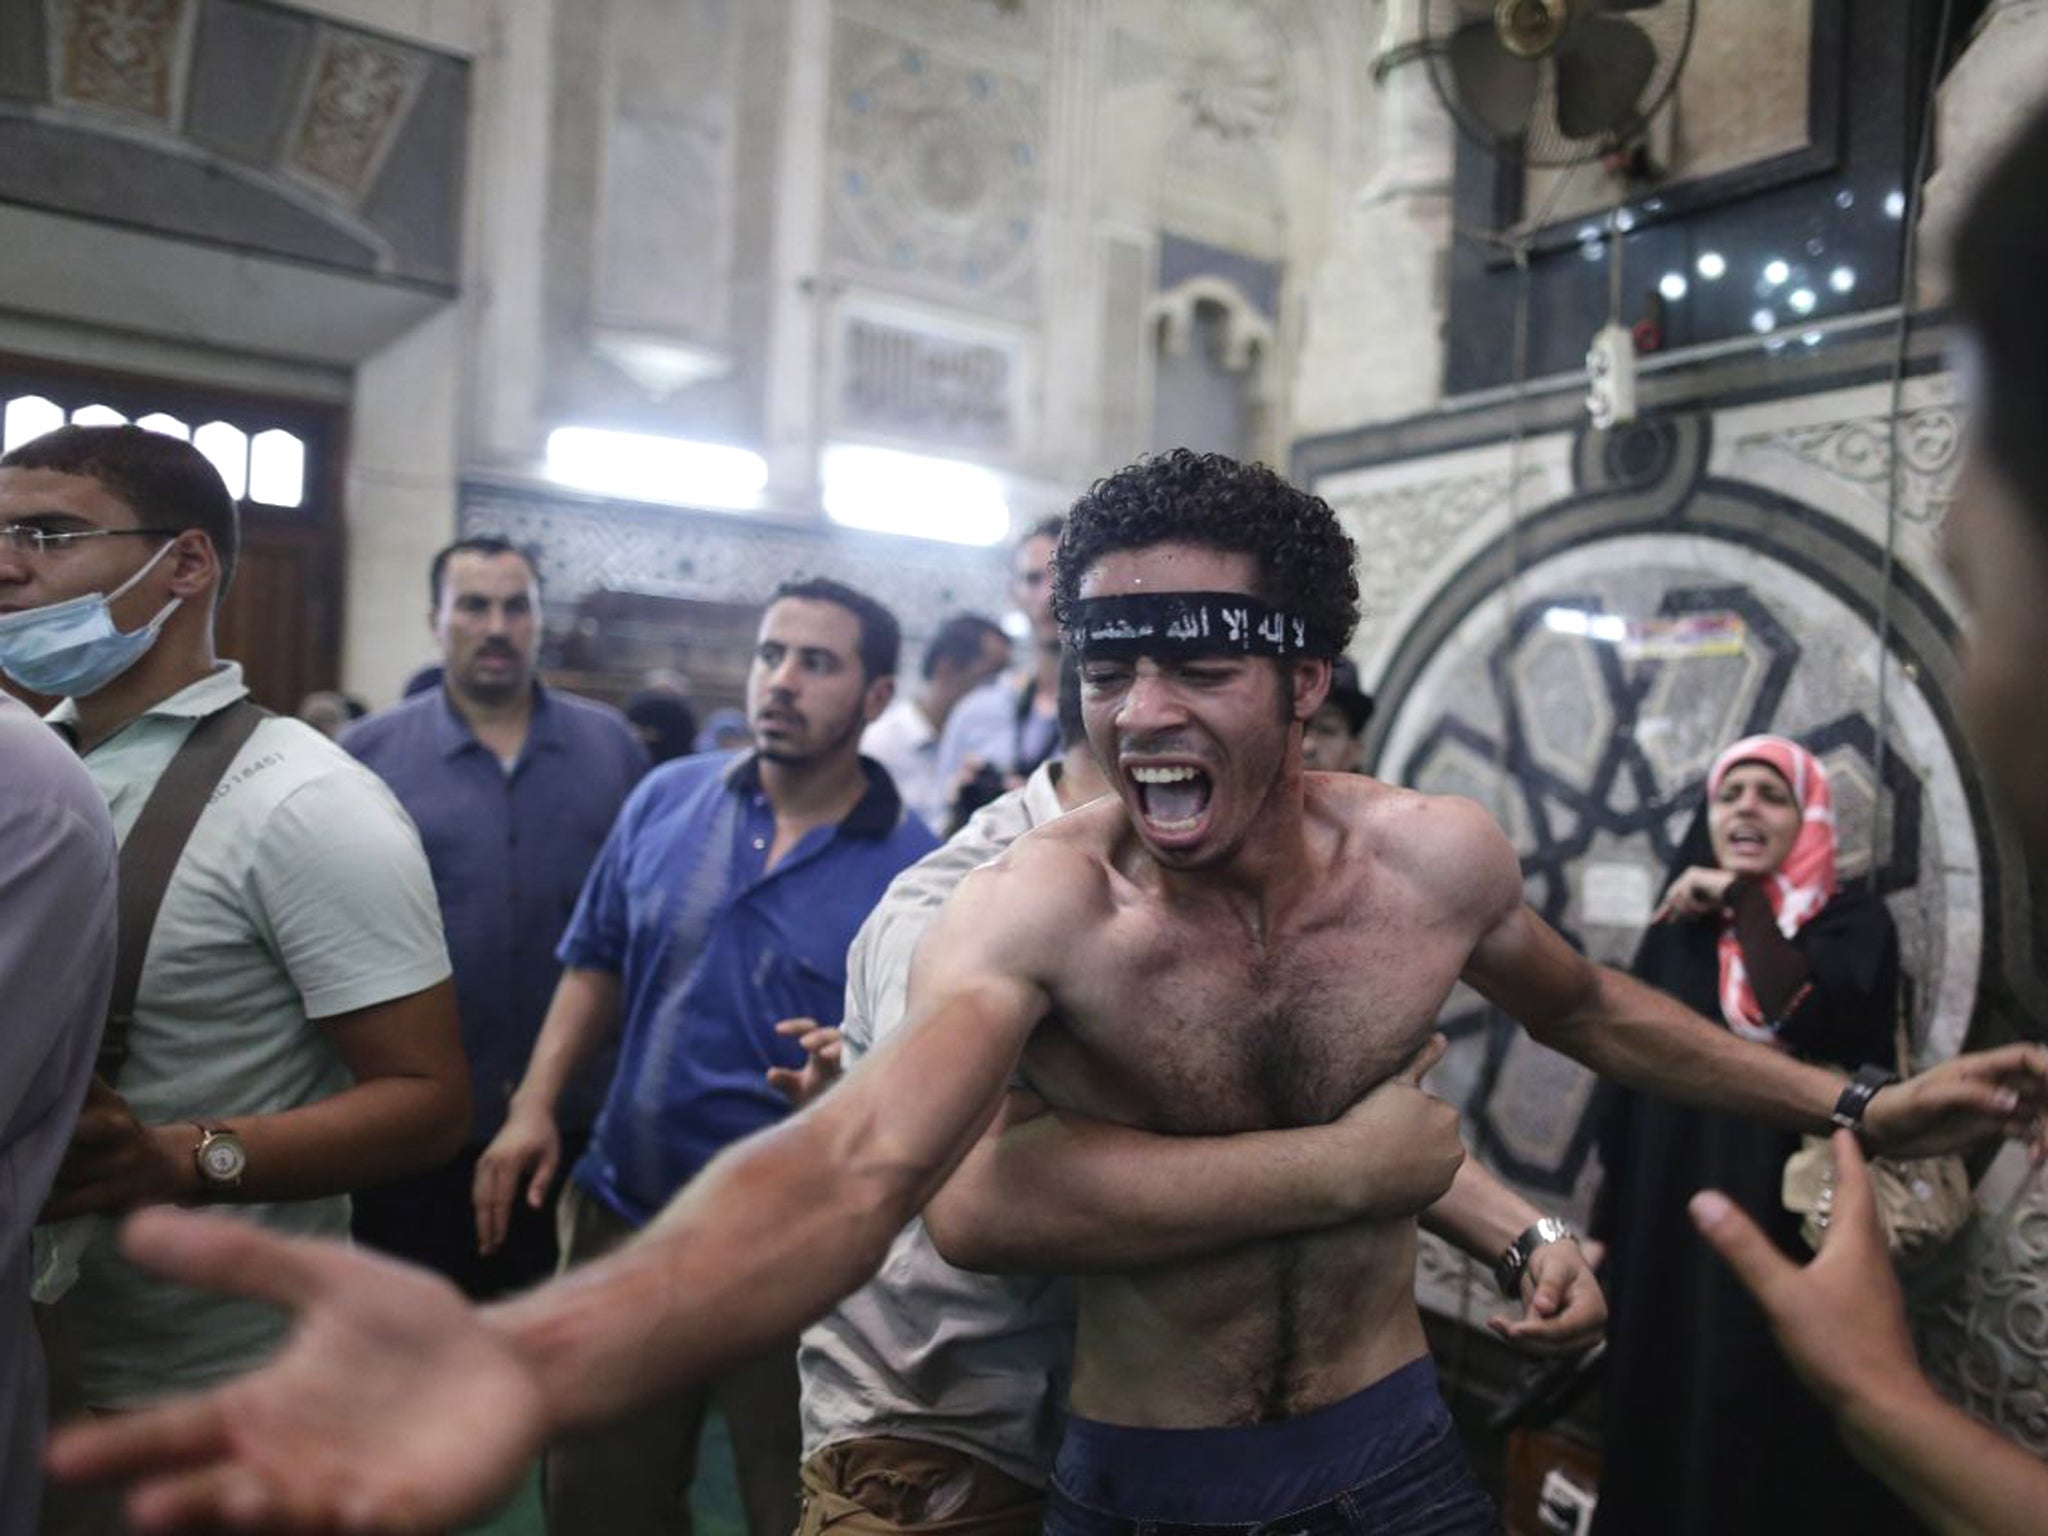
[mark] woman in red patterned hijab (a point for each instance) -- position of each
(1707, 1432)
(1771, 823)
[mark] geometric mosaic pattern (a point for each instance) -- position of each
(1581, 695)
(936, 177)
(1516, 682)
(1609, 759)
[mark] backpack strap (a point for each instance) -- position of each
(152, 849)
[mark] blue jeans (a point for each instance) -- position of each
(1385, 1460)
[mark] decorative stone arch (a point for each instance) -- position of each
(1590, 743)
(1247, 335)
(1248, 351)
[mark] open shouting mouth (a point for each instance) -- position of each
(1172, 797)
(1747, 842)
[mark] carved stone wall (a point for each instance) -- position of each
(123, 55)
(925, 378)
(260, 129)
(586, 545)
(935, 182)
(1013, 164)
(358, 94)
(1572, 657)
(663, 256)
(1226, 115)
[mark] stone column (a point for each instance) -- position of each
(798, 304)
(1069, 430)
(659, 303)
(510, 153)
(1372, 345)
(458, 390)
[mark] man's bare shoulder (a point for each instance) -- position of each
(1029, 908)
(1059, 862)
(1446, 844)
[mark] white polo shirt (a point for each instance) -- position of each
(303, 894)
(903, 741)
(925, 1351)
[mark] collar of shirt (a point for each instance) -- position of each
(1042, 796)
(452, 733)
(906, 720)
(874, 816)
(195, 701)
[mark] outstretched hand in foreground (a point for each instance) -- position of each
(1963, 1101)
(1841, 1322)
(392, 1407)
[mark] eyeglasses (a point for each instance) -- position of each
(29, 539)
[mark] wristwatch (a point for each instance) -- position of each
(1511, 1265)
(1857, 1094)
(220, 1157)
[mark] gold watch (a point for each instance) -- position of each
(220, 1157)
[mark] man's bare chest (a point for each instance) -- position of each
(1194, 1028)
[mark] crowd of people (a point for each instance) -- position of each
(1064, 1174)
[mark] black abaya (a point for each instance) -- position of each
(1708, 1433)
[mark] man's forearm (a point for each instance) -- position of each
(378, 1130)
(1960, 1476)
(408, 1110)
(1064, 1194)
(763, 1241)
(583, 1012)
(774, 1230)
(1480, 1215)
(1642, 1037)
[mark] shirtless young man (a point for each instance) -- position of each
(1229, 943)
(912, 1424)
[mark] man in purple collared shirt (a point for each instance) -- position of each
(722, 904)
(56, 967)
(513, 787)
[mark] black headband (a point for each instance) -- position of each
(1188, 624)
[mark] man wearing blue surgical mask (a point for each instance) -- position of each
(293, 1034)
(80, 615)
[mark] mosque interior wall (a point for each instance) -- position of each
(1566, 623)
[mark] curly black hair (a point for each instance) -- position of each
(1307, 564)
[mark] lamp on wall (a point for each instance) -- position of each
(886, 490)
(640, 466)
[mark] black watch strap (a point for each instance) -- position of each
(1509, 1268)
(1857, 1094)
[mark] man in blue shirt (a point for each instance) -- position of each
(723, 903)
(513, 788)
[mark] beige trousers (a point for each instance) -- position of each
(880, 1486)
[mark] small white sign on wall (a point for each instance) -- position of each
(1613, 894)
